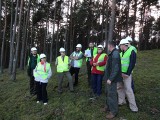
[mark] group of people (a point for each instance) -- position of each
(115, 68)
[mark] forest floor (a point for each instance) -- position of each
(17, 104)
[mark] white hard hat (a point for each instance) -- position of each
(61, 50)
(100, 46)
(33, 49)
(129, 39)
(123, 42)
(42, 56)
(79, 46)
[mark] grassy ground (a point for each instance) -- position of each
(16, 104)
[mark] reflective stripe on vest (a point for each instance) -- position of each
(38, 59)
(125, 60)
(63, 65)
(100, 59)
(78, 61)
(95, 50)
(40, 71)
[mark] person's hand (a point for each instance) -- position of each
(76, 58)
(97, 64)
(94, 64)
(124, 76)
(109, 82)
(85, 55)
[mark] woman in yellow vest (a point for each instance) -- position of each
(98, 65)
(62, 63)
(42, 73)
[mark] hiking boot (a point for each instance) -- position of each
(110, 116)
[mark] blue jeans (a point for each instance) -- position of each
(97, 84)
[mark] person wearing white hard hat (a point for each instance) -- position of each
(42, 74)
(76, 62)
(98, 66)
(33, 60)
(133, 48)
(128, 61)
(63, 63)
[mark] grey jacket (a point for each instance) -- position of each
(113, 68)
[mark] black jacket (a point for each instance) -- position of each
(31, 66)
(113, 68)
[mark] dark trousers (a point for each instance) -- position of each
(89, 72)
(74, 70)
(97, 84)
(32, 86)
(42, 92)
(112, 98)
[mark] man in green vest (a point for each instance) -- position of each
(133, 48)
(33, 60)
(93, 51)
(62, 63)
(128, 61)
(76, 62)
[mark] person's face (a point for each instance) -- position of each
(91, 45)
(78, 49)
(100, 50)
(43, 59)
(62, 53)
(122, 47)
(34, 52)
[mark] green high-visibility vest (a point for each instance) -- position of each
(40, 71)
(95, 50)
(125, 60)
(38, 59)
(62, 65)
(133, 48)
(79, 62)
(100, 59)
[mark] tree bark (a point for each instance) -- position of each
(112, 21)
(12, 40)
(4, 33)
(13, 77)
(24, 37)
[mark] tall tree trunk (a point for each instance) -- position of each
(135, 12)
(127, 16)
(51, 48)
(24, 37)
(71, 27)
(13, 77)
(12, 40)
(57, 41)
(4, 33)
(112, 21)
(106, 27)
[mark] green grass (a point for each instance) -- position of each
(16, 104)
